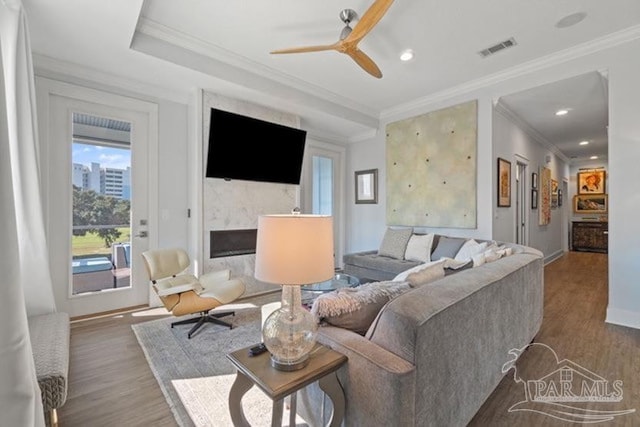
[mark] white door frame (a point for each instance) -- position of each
(56, 101)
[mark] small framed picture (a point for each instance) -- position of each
(504, 183)
(534, 181)
(591, 182)
(367, 186)
(534, 199)
(590, 203)
(559, 197)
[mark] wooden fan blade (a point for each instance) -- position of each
(306, 49)
(369, 19)
(363, 60)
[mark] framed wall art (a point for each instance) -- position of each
(590, 204)
(534, 199)
(534, 181)
(544, 217)
(560, 197)
(554, 194)
(431, 168)
(592, 182)
(504, 183)
(367, 186)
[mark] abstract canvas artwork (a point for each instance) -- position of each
(431, 168)
(545, 196)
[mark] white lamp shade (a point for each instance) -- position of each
(294, 249)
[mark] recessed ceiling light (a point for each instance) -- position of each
(406, 55)
(584, 142)
(561, 112)
(571, 20)
(593, 157)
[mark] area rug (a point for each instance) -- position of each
(195, 374)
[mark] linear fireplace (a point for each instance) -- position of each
(225, 243)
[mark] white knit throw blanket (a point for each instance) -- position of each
(348, 300)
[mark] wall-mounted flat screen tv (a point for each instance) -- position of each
(245, 148)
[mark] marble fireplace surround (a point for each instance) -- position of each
(236, 204)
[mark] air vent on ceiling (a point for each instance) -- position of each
(498, 47)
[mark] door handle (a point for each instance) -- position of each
(142, 233)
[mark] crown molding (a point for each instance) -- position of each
(530, 131)
(325, 137)
(170, 35)
(587, 48)
(46, 66)
(370, 134)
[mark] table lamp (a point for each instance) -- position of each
(292, 250)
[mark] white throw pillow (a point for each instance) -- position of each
(493, 254)
(453, 264)
(469, 249)
(479, 259)
(419, 248)
(401, 277)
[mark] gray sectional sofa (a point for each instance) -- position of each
(435, 353)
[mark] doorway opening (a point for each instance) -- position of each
(521, 204)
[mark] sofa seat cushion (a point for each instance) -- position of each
(372, 260)
(356, 308)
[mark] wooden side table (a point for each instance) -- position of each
(257, 370)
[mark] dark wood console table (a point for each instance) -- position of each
(590, 236)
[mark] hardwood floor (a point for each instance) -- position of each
(575, 304)
(110, 383)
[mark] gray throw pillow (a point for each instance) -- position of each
(355, 308)
(395, 242)
(447, 247)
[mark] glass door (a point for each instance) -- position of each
(99, 190)
(322, 190)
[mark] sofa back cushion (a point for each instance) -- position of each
(447, 247)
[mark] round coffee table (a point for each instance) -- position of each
(340, 280)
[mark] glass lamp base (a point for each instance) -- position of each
(290, 366)
(289, 333)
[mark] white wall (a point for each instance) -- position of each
(624, 199)
(366, 224)
(513, 143)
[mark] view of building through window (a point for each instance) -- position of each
(101, 180)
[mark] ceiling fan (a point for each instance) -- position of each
(349, 38)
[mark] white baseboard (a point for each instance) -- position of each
(554, 256)
(620, 317)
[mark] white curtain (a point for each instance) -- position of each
(25, 278)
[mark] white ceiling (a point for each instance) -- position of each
(224, 46)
